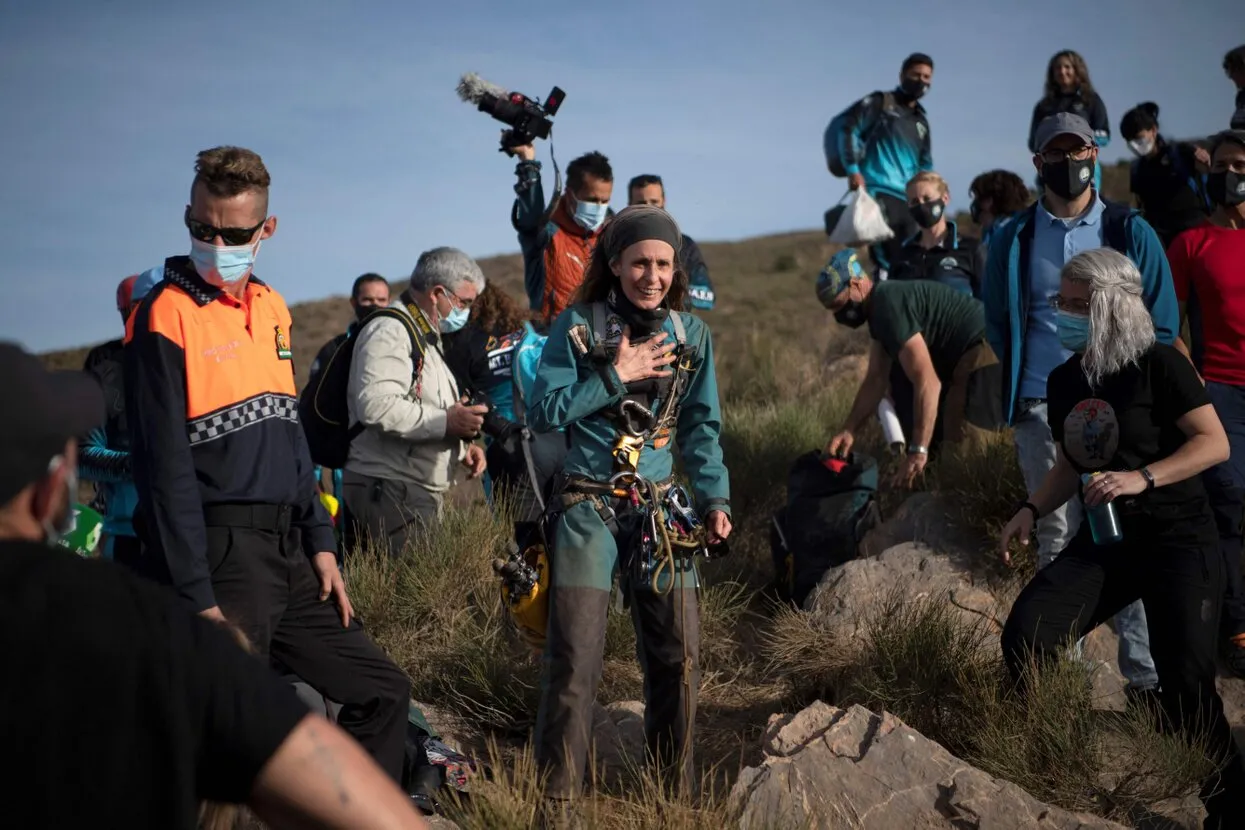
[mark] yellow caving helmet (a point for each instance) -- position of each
(330, 504)
(530, 612)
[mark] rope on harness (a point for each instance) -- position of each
(645, 495)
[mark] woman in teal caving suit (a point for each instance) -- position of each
(627, 373)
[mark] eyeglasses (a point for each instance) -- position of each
(1056, 156)
(204, 232)
(1062, 303)
(457, 301)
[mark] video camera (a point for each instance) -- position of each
(528, 119)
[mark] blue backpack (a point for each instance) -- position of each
(523, 369)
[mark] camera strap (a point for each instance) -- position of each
(557, 182)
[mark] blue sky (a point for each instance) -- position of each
(374, 159)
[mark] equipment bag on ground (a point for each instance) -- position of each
(322, 407)
(831, 505)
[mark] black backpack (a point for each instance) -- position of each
(322, 407)
(828, 512)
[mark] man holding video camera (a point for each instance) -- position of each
(557, 243)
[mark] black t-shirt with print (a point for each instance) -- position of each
(1129, 422)
(119, 708)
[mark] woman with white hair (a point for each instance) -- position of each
(1132, 413)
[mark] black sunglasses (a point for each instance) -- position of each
(204, 232)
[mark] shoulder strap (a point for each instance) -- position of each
(680, 332)
(516, 379)
(887, 100)
(598, 324)
(417, 340)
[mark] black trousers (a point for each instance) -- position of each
(1175, 569)
(384, 514)
(265, 585)
(897, 215)
(507, 466)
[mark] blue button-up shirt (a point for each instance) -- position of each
(1055, 241)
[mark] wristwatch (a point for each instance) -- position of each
(1148, 476)
(917, 449)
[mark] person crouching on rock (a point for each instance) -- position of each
(1132, 419)
(625, 371)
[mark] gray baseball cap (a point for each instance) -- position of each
(1062, 123)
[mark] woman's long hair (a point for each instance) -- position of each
(599, 278)
(1121, 329)
(496, 312)
(1078, 66)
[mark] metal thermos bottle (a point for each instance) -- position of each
(1104, 522)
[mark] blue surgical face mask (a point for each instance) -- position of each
(224, 265)
(456, 319)
(1073, 331)
(590, 215)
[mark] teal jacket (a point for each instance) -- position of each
(1005, 291)
(570, 392)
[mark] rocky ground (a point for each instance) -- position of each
(829, 767)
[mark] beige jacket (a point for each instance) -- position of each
(404, 417)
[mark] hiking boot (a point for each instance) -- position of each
(1234, 655)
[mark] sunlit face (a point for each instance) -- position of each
(650, 194)
(1065, 74)
(593, 190)
(448, 301)
(645, 270)
(243, 210)
(922, 192)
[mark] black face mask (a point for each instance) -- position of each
(362, 312)
(913, 88)
(927, 214)
(974, 211)
(851, 315)
(1226, 188)
(1068, 179)
(643, 322)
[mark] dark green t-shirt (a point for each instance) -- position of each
(949, 320)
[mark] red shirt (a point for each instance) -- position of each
(1209, 261)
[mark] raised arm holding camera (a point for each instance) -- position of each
(558, 243)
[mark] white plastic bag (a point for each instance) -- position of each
(862, 222)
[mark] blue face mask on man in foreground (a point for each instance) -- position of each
(222, 265)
